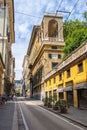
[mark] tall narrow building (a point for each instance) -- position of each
(44, 51)
(6, 39)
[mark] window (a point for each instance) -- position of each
(54, 80)
(53, 65)
(50, 56)
(54, 47)
(60, 77)
(68, 73)
(55, 56)
(53, 28)
(1, 5)
(80, 67)
(49, 82)
(46, 84)
(46, 94)
(59, 56)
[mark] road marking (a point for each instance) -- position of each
(15, 123)
(31, 103)
(24, 121)
(61, 118)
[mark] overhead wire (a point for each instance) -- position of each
(27, 14)
(69, 14)
(73, 8)
(59, 6)
(56, 12)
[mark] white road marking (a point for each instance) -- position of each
(15, 123)
(24, 121)
(62, 118)
(56, 115)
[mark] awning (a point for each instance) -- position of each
(81, 86)
(68, 88)
(60, 90)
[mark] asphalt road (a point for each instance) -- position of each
(35, 117)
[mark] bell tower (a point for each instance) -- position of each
(52, 27)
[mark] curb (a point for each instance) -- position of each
(56, 112)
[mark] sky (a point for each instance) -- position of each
(28, 13)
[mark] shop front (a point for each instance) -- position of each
(69, 93)
(60, 91)
(2, 67)
(82, 94)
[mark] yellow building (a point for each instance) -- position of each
(69, 79)
(44, 51)
(2, 67)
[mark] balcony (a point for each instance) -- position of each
(53, 39)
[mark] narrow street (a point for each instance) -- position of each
(35, 117)
(25, 114)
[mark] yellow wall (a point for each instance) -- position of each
(75, 78)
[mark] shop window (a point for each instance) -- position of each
(68, 73)
(80, 67)
(61, 96)
(46, 94)
(50, 93)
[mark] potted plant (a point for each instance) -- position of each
(45, 101)
(50, 99)
(62, 104)
(55, 106)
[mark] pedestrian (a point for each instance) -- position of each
(14, 97)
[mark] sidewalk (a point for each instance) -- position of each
(74, 114)
(8, 116)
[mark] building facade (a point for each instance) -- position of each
(7, 38)
(2, 68)
(69, 79)
(25, 73)
(44, 51)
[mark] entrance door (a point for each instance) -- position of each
(82, 98)
(70, 97)
(61, 96)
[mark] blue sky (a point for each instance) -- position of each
(34, 11)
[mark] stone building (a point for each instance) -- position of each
(7, 38)
(2, 67)
(44, 51)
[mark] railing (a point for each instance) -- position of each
(53, 39)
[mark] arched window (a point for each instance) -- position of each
(53, 28)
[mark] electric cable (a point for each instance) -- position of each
(28, 15)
